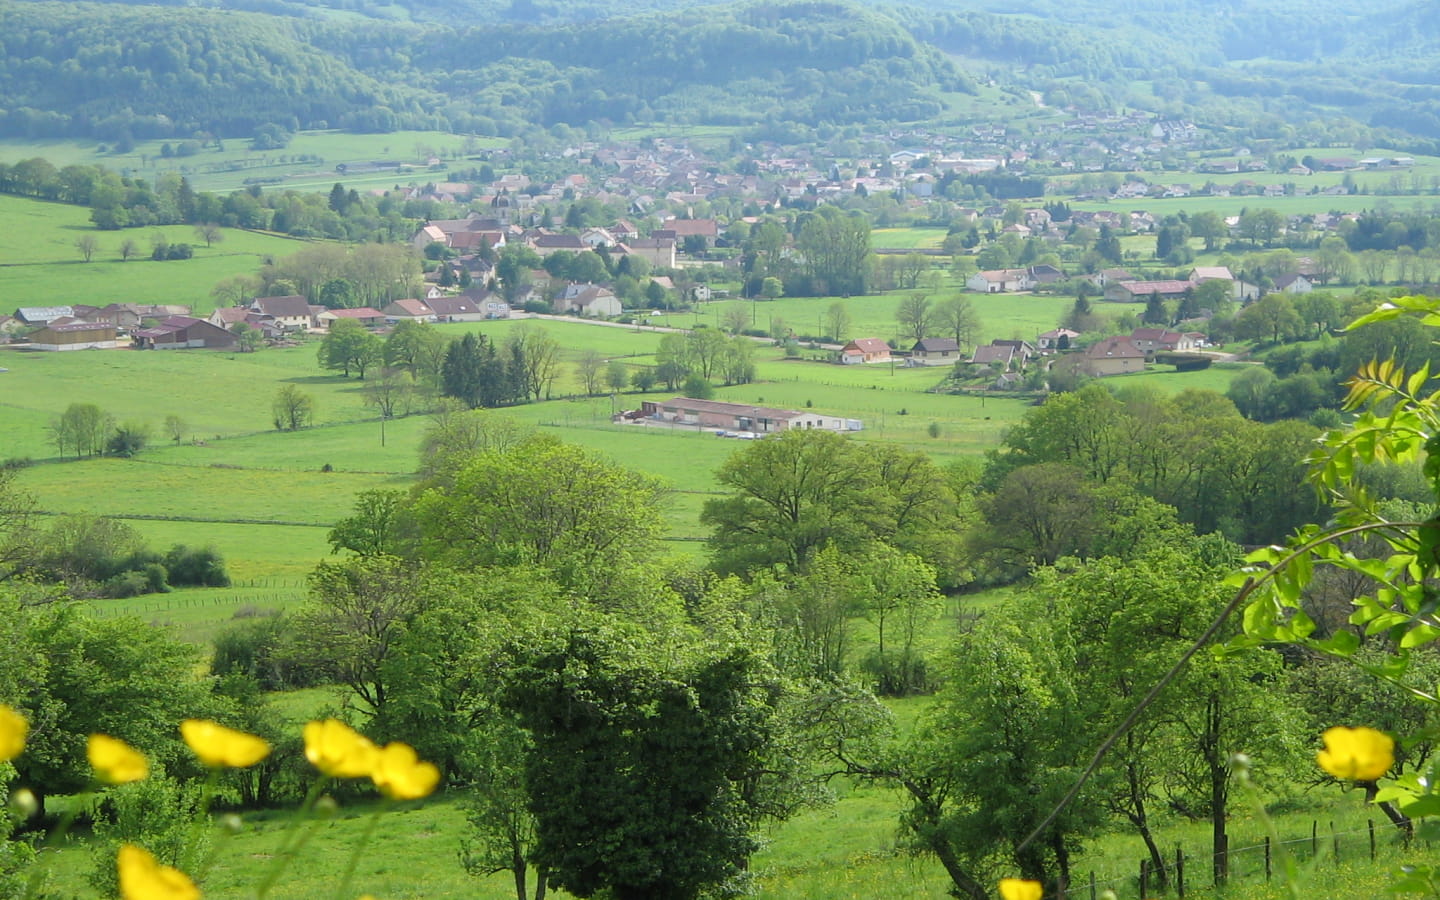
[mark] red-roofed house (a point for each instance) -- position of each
(1114, 356)
(865, 350)
(409, 309)
(365, 315)
(183, 332)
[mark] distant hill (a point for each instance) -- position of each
(124, 69)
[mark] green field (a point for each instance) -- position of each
(227, 170)
(40, 266)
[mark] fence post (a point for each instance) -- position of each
(1335, 839)
(1180, 872)
(1144, 877)
(1371, 824)
(1093, 895)
(1267, 859)
(1314, 838)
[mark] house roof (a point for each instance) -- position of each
(232, 314)
(411, 307)
(993, 354)
(292, 306)
(559, 242)
(364, 312)
(69, 327)
(736, 409)
(453, 306)
(38, 314)
(1203, 273)
(1162, 288)
(869, 345)
(1115, 348)
(934, 345)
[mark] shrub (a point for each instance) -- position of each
(200, 567)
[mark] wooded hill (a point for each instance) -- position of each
(122, 69)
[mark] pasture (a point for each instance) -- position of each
(309, 161)
(40, 265)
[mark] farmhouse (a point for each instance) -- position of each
(182, 332)
(865, 350)
(458, 309)
(43, 315)
(365, 315)
(934, 352)
(1140, 291)
(289, 313)
(588, 300)
(659, 252)
(74, 336)
(1051, 341)
(409, 310)
(1114, 356)
(740, 417)
(998, 281)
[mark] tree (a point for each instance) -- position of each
(116, 676)
(1271, 318)
(617, 378)
(175, 428)
(210, 233)
(836, 251)
(541, 355)
(87, 246)
(837, 322)
(391, 393)
(128, 439)
(651, 772)
(350, 345)
(248, 338)
(957, 317)
(1261, 226)
(1155, 311)
(417, 347)
(376, 527)
(83, 429)
(292, 408)
(128, 248)
(546, 504)
(914, 316)
(590, 369)
(356, 610)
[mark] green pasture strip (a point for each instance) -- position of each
(197, 615)
(121, 487)
(215, 393)
(347, 447)
(1216, 378)
(1294, 205)
(40, 266)
(228, 170)
(906, 238)
(258, 557)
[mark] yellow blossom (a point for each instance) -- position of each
(400, 775)
(142, 877)
(12, 733)
(338, 750)
(114, 761)
(219, 747)
(1020, 889)
(1357, 754)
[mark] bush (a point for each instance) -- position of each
(256, 648)
(200, 567)
(126, 584)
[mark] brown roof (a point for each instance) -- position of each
(869, 345)
(737, 409)
(288, 307)
(1115, 348)
(412, 308)
(364, 312)
(453, 306)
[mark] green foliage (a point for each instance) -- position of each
(349, 345)
(645, 775)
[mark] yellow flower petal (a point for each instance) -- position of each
(219, 747)
(1020, 889)
(114, 761)
(338, 750)
(400, 775)
(1356, 754)
(142, 877)
(12, 733)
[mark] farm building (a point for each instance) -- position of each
(183, 332)
(934, 352)
(865, 350)
(365, 315)
(290, 313)
(74, 336)
(740, 417)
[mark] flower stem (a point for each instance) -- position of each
(341, 891)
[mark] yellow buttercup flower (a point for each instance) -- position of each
(142, 877)
(219, 747)
(1020, 889)
(114, 761)
(401, 775)
(12, 733)
(1357, 754)
(339, 750)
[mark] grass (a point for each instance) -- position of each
(227, 170)
(39, 265)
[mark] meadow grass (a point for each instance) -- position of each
(40, 266)
(226, 170)
(906, 238)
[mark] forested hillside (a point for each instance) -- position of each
(125, 70)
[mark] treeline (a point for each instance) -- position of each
(124, 73)
(118, 202)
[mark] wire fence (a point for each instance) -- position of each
(1259, 859)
